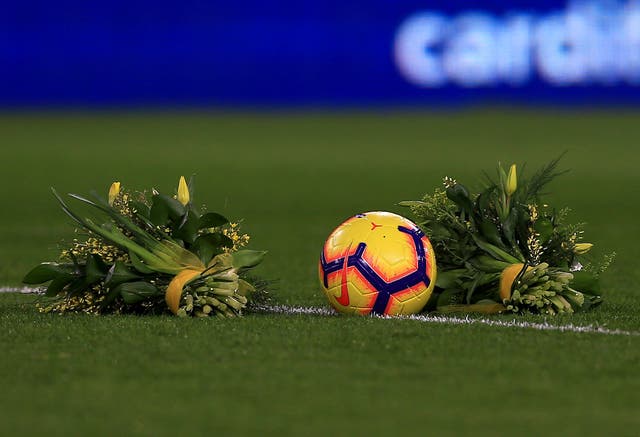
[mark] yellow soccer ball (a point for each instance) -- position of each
(377, 263)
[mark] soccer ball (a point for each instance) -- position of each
(379, 263)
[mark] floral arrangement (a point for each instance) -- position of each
(504, 250)
(148, 253)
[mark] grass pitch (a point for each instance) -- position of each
(294, 178)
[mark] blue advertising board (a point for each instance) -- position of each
(333, 52)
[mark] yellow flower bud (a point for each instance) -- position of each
(183, 191)
(512, 181)
(114, 190)
(582, 248)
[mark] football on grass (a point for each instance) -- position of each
(377, 263)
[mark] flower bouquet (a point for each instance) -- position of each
(148, 253)
(504, 250)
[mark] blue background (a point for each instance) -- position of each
(247, 53)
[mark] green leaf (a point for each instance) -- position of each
(586, 283)
(487, 302)
(212, 220)
(502, 177)
(96, 269)
(489, 264)
(207, 246)
(111, 233)
(138, 264)
(490, 232)
(188, 228)
(495, 252)
(159, 213)
(522, 228)
(109, 298)
(76, 286)
(449, 278)
(450, 296)
(184, 257)
(246, 259)
(48, 271)
(143, 213)
(591, 302)
(460, 196)
(544, 227)
(483, 202)
(164, 208)
(118, 274)
(141, 208)
(134, 292)
(58, 283)
(509, 227)
(245, 288)
(176, 209)
(438, 231)
(471, 288)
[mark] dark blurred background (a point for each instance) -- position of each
(331, 53)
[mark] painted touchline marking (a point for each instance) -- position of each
(448, 320)
(23, 290)
(424, 318)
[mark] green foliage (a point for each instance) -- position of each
(139, 243)
(201, 367)
(477, 236)
(135, 292)
(48, 271)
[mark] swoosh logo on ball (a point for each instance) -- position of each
(343, 299)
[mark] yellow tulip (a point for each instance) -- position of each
(183, 191)
(582, 248)
(114, 190)
(512, 181)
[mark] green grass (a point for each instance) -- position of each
(294, 177)
(273, 375)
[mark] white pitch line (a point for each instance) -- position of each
(448, 320)
(23, 290)
(424, 318)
